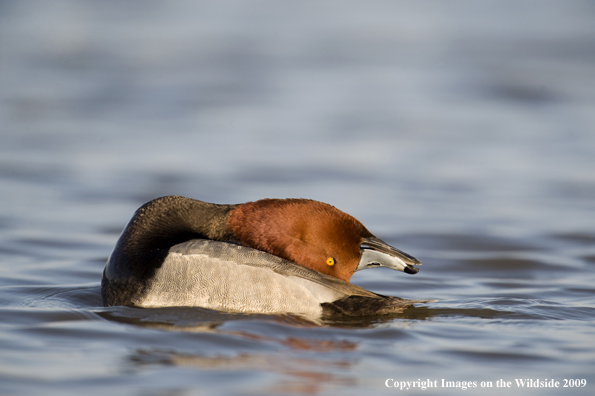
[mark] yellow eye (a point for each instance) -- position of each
(331, 261)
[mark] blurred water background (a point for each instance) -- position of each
(462, 132)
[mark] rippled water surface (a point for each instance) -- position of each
(461, 132)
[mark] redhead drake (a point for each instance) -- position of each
(270, 256)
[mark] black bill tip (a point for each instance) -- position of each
(411, 270)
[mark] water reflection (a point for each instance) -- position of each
(302, 361)
(195, 319)
(303, 375)
(305, 355)
(201, 320)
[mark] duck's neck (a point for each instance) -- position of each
(162, 223)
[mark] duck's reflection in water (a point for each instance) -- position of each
(298, 374)
(321, 357)
(196, 319)
(309, 354)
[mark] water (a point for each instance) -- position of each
(461, 132)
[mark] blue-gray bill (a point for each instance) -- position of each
(377, 253)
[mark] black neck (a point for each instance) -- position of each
(160, 224)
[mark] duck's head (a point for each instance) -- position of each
(315, 235)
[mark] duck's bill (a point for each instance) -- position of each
(377, 253)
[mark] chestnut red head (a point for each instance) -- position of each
(315, 235)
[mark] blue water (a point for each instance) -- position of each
(462, 132)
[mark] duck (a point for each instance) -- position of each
(270, 256)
